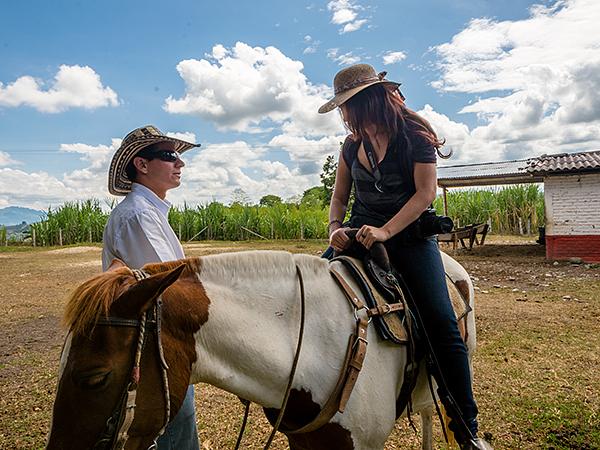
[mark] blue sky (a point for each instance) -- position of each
(498, 80)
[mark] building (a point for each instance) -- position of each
(571, 194)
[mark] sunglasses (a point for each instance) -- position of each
(163, 155)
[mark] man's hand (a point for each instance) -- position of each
(368, 235)
(339, 240)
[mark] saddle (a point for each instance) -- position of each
(387, 298)
(384, 289)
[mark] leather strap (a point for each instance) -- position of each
(122, 436)
(382, 310)
(354, 299)
(356, 362)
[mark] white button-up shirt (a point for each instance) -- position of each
(138, 231)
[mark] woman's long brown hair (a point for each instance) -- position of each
(377, 105)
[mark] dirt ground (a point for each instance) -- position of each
(537, 381)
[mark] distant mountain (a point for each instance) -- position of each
(14, 215)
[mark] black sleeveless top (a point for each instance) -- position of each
(372, 207)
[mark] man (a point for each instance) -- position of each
(144, 168)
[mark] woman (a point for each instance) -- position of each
(390, 157)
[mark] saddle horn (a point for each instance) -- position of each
(378, 251)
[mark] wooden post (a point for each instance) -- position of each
(444, 191)
(90, 233)
(520, 226)
(180, 231)
(60, 237)
(33, 236)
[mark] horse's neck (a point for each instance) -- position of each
(247, 344)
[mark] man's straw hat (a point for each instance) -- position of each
(118, 183)
(351, 80)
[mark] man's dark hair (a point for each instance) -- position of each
(146, 153)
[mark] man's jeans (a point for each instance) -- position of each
(181, 433)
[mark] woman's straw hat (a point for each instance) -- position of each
(351, 80)
(118, 183)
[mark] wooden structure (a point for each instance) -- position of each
(571, 193)
(473, 234)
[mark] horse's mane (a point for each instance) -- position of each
(93, 298)
(246, 264)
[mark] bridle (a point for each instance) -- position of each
(115, 433)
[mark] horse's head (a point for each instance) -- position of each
(105, 316)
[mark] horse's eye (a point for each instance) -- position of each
(95, 380)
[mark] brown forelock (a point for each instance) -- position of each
(93, 298)
(300, 410)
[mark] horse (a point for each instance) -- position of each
(230, 320)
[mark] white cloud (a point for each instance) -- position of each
(391, 57)
(344, 59)
(45, 190)
(42, 189)
(73, 87)
(312, 45)
(538, 80)
(346, 12)
(6, 160)
(216, 171)
(185, 136)
(98, 156)
(353, 26)
(252, 89)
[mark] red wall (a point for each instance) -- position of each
(586, 247)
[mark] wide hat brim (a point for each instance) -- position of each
(343, 97)
(134, 142)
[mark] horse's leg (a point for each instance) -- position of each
(427, 428)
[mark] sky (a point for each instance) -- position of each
(497, 80)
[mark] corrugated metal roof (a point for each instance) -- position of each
(491, 169)
(565, 162)
(531, 170)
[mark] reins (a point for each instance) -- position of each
(288, 389)
(122, 417)
(353, 361)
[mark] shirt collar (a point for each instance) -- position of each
(162, 205)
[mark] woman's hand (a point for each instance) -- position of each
(368, 235)
(339, 240)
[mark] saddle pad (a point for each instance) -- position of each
(389, 326)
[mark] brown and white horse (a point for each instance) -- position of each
(230, 320)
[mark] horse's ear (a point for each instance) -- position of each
(138, 298)
(116, 264)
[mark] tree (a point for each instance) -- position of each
(239, 197)
(328, 178)
(313, 196)
(270, 200)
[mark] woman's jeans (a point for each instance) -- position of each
(421, 267)
(181, 433)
